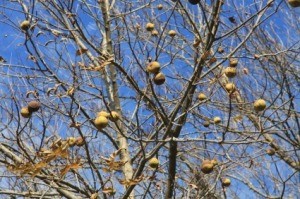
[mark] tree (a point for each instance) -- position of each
(148, 99)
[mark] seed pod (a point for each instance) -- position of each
(259, 105)
(233, 62)
(154, 33)
(226, 182)
(34, 106)
(172, 33)
(149, 26)
(25, 112)
(25, 25)
(207, 167)
(230, 87)
(159, 6)
(101, 122)
(159, 79)
(153, 67)
(217, 120)
(202, 97)
(230, 72)
(153, 163)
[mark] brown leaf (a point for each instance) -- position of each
(109, 190)
(94, 196)
(212, 60)
(68, 167)
(81, 51)
(196, 42)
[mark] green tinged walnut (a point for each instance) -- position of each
(230, 72)
(25, 112)
(149, 26)
(159, 79)
(207, 167)
(153, 163)
(172, 33)
(217, 120)
(226, 182)
(230, 87)
(101, 122)
(259, 105)
(153, 67)
(202, 96)
(294, 3)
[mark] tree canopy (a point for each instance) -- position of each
(150, 99)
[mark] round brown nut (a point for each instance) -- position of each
(25, 112)
(259, 105)
(34, 106)
(25, 25)
(172, 33)
(149, 26)
(101, 122)
(202, 96)
(233, 62)
(230, 72)
(153, 67)
(226, 182)
(159, 79)
(153, 163)
(207, 167)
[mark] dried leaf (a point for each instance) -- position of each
(212, 60)
(109, 190)
(131, 181)
(70, 91)
(75, 125)
(68, 167)
(81, 51)
(31, 57)
(238, 118)
(196, 42)
(56, 33)
(205, 55)
(2, 59)
(94, 196)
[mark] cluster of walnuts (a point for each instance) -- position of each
(31, 107)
